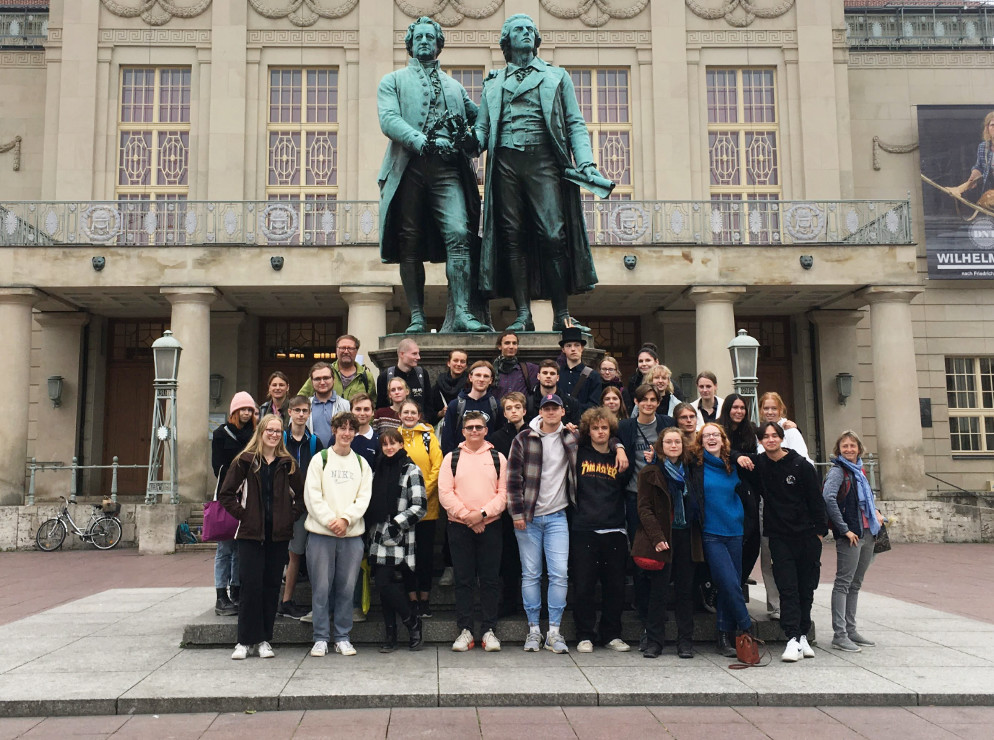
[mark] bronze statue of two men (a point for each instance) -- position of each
(534, 244)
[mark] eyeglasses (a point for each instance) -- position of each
(346, 349)
(274, 432)
(474, 428)
(322, 379)
(712, 435)
(299, 411)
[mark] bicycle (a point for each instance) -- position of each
(103, 530)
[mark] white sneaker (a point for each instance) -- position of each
(464, 642)
(240, 652)
(309, 618)
(533, 641)
(358, 615)
(618, 645)
(490, 642)
(320, 649)
(265, 650)
(775, 614)
(792, 653)
(344, 647)
(585, 646)
(448, 578)
(806, 650)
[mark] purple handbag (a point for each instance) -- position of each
(219, 524)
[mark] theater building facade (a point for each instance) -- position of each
(210, 167)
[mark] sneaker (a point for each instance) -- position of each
(358, 615)
(320, 649)
(775, 614)
(846, 645)
(556, 643)
(860, 640)
(618, 645)
(344, 647)
(585, 646)
(806, 650)
(490, 642)
(424, 609)
(464, 642)
(265, 650)
(792, 653)
(308, 618)
(290, 610)
(240, 652)
(224, 608)
(533, 642)
(447, 579)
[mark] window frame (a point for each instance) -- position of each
(982, 410)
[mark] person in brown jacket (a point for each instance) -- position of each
(263, 490)
(667, 543)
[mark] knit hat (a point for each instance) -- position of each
(241, 400)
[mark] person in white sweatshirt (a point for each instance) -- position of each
(337, 492)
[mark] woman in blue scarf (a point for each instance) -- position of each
(667, 543)
(855, 521)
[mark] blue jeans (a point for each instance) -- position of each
(547, 534)
(226, 564)
(333, 567)
(724, 557)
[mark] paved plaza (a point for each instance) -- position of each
(92, 633)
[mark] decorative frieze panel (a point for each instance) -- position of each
(922, 59)
(155, 37)
(22, 59)
(449, 12)
(303, 13)
(594, 13)
(156, 12)
(295, 37)
(739, 13)
(728, 37)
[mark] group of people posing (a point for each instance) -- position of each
(541, 471)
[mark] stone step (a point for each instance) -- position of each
(194, 547)
(210, 630)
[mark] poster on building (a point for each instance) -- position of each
(957, 153)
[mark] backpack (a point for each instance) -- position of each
(324, 458)
(313, 442)
(493, 453)
(418, 371)
(461, 407)
(184, 536)
(584, 374)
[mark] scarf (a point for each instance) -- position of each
(506, 365)
(449, 387)
(678, 489)
(386, 488)
(866, 503)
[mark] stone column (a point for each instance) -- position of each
(895, 382)
(224, 351)
(191, 325)
(837, 353)
(715, 329)
(15, 369)
(367, 316)
(56, 428)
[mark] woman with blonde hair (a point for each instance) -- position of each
(263, 491)
(610, 372)
(855, 522)
(661, 379)
(398, 391)
(423, 448)
(726, 510)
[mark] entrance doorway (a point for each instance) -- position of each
(292, 346)
(775, 355)
(129, 397)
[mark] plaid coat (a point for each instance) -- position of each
(392, 543)
(524, 471)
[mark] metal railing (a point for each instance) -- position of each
(957, 26)
(871, 463)
(34, 467)
(330, 223)
(21, 29)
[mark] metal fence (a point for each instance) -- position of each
(953, 27)
(329, 223)
(23, 29)
(35, 467)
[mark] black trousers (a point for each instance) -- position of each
(476, 556)
(598, 557)
(390, 587)
(510, 562)
(260, 569)
(796, 569)
(750, 553)
(683, 569)
(424, 557)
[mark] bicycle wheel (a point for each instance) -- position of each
(105, 533)
(51, 535)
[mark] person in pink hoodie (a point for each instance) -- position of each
(472, 488)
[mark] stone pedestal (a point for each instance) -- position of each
(533, 346)
(155, 526)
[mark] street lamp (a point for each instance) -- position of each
(745, 361)
(165, 353)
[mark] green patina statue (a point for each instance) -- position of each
(534, 237)
(429, 201)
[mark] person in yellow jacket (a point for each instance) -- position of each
(424, 450)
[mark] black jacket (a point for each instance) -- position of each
(572, 415)
(502, 438)
(792, 502)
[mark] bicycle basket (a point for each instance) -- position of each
(109, 507)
